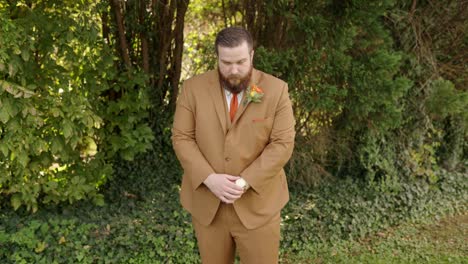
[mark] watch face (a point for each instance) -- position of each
(241, 183)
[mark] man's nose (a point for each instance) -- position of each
(234, 69)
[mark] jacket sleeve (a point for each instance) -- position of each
(184, 143)
(279, 149)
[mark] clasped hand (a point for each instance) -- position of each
(224, 187)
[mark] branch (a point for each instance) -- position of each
(105, 26)
(413, 8)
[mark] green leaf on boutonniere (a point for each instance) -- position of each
(254, 94)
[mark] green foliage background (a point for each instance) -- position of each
(87, 94)
(59, 128)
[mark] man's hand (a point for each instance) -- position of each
(224, 187)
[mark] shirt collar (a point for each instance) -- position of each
(228, 93)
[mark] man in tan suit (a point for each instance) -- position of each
(233, 132)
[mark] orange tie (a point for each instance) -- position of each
(233, 106)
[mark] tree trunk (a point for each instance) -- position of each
(115, 6)
(179, 46)
(144, 40)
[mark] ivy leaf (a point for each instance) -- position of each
(99, 200)
(41, 246)
(62, 240)
(15, 201)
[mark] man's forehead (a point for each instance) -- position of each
(235, 53)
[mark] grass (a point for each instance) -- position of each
(442, 241)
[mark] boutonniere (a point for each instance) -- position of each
(254, 94)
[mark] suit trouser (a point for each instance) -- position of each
(218, 242)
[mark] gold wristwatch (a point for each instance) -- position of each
(243, 184)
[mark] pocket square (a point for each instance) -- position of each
(258, 120)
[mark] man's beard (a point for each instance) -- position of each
(241, 84)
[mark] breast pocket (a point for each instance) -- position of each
(261, 129)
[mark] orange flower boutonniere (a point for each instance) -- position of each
(254, 94)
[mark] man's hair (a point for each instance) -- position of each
(232, 37)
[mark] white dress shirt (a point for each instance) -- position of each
(228, 95)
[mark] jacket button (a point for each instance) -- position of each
(227, 159)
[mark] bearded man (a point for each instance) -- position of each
(233, 133)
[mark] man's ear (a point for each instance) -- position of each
(251, 55)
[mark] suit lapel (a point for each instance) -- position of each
(242, 107)
(218, 97)
(218, 100)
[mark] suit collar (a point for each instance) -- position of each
(218, 98)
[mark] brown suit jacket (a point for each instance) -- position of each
(255, 146)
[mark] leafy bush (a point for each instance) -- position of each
(143, 222)
(444, 100)
(65, 111)
(350, 209)
(363, 81)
